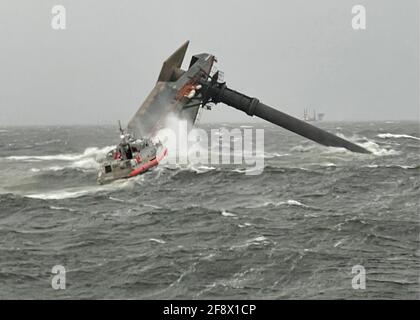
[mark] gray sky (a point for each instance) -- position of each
(290, 54)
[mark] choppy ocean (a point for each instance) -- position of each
(212, 232)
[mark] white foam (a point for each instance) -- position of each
(57, 195)
(88, 163)
(247, 171)
(328, 164)
(259, 239)
(151, 206)
(62, 208)
(77, 192)
(292, 202)
(371, 166)
(88, 160)
(268, 155)
(405, 167)
(377, 150)
(228, 214)
(246, 224)
(202, 169)
(157, 240)
(397, 136)
(92, 152)
(255, 241)
(116, 199)
(300, 148)
(368, 144)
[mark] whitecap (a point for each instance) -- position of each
(55, 168)
(92, 152)
(89, 163)
(259, 239)
(300, 148)
(391, 135)
(336, 150)
(157, 240)
(265, 204)
(76, 192)
(251, 171)
(377, 150)
(328, 164)
(255, 241)
(292, 202)
(371, 166)
(116, 199)
(61, 208)
(338, 243)
(366, 143)
(246, 224)
(228, 214)
(202, 169)
(405, 167)
(58, 195)
(151, 206)
(268, 155)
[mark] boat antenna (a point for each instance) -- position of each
(120, 128)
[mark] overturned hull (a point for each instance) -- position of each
(184, 92)
(170, 94)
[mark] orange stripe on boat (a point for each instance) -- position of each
(149, 165)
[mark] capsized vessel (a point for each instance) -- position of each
(186, 92)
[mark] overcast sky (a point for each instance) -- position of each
(290, 54)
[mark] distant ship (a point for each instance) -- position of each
(315, 117)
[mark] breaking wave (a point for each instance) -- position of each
(157, 240)
(391, 166)
(289, 202)
(269, 155)
(92, 152)
(227, 214)
(88, 160)
(377, 150)
(300, 148)
(80, 192)
(292, 203)
(391, 135)
(369, 145)
(201, 169)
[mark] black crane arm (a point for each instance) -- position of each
(219, 92)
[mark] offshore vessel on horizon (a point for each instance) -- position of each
(315, 116)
